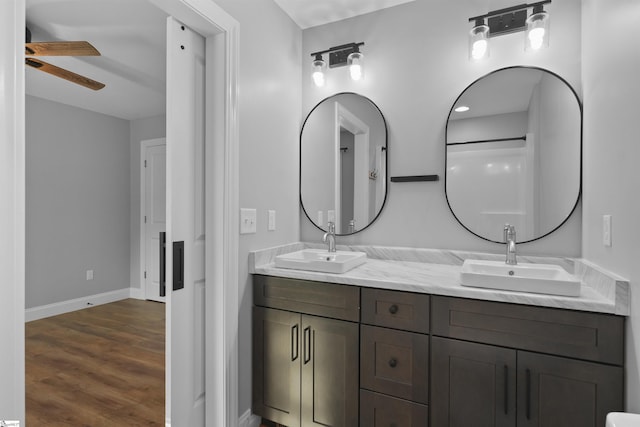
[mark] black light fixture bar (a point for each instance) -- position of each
(509, 9)
(338, 54)
(508, 20)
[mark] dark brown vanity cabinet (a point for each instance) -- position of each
(339, 355)
(305, 369)
(512, 365)
(394, 359)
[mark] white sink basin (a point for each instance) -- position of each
(538, 278)
(321, 260)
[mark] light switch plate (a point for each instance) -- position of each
(89, 274)
(606, 230)
(248, 220)
(272, 220)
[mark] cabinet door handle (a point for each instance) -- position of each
(393, 362)
(393, 309)
(506, 389)
(294, 347)
(528, 380)
(307, 344)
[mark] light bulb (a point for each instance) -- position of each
(356, 71)
(318, 67)
(537, 34)
(536, 38)
(355, 60)
(479, 41)
(479, 49)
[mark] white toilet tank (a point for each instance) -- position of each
(623, 419)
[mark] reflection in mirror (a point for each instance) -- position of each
(343, 163)
(514, 141)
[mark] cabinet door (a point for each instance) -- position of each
(276, 365)
(559, 392)
(385, 411)
(329, 355)
(472, 384)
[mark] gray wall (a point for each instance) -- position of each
(611, 60)
(77, 202)
(141, 129)
(416, 66)
(270, 120)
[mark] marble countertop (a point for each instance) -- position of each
(437, 272)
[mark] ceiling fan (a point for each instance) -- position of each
(61, 48)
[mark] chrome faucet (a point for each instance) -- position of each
(510, 240)
(330, 237)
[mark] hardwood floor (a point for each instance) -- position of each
(102, 366)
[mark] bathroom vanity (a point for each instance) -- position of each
(437, 355)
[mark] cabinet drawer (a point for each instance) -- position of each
(393, 309)
(582, 335)
(302, 296)
(394, 362)
(380, 410)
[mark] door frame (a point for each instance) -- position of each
(221, 303)
(144, 144)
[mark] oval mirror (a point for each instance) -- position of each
(513, 153)
(343, 163)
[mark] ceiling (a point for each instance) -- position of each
(311, 13)
(130, 35)
(507, 91)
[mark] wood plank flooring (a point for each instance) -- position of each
(101, 366)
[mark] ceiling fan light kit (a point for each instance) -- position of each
(60, 48)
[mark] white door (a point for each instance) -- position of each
(185, 403)
(154, 213)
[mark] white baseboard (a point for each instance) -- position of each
(49, 310)
(249, 420)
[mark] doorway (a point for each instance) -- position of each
(222, 201)
(153, 224)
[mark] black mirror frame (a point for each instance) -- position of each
(575, 205)
(386, 142)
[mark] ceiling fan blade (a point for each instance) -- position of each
(79, 48)
(64, 74)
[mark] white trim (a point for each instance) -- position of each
(144, 144)
(249, 420)
(222, 203)
(136, 293)
(62, 307)
(12, 213)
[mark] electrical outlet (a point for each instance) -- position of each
(248, 220)
(89, 274)
(320, 218)
(606, 230)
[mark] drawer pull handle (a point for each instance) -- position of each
(393, 363)
(393, 309)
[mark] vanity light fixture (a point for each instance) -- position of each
(461, 109)
(506, 21)
(339, 56)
